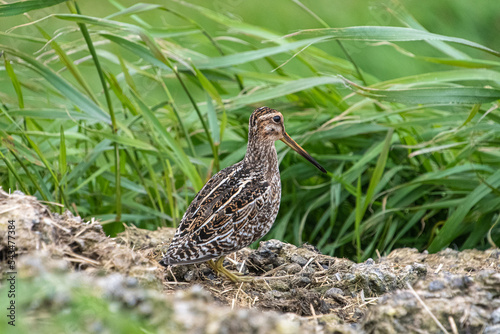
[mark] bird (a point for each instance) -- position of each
(239, 204)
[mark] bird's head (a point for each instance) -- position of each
(267, 125)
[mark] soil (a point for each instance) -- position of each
(296, 290)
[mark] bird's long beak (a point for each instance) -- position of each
(296, 147)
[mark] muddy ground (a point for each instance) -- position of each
(70, 277)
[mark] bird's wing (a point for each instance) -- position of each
(223, 206)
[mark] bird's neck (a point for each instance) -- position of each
(262, 157)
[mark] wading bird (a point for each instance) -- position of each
(239, 204)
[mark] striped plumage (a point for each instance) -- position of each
(239, 204)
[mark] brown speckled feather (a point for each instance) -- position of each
(225, 216)
(239, 204)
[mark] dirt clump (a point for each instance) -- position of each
(300, 280)
(452, 302)
(65, 300)
(82, 244)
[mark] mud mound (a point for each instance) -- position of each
(75, 301)
(301, 280)
(83, 244)
(455, 303)
(73, 275)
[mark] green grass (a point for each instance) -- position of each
(123, 112)
(55, 301)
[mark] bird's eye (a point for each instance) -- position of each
(277, 119)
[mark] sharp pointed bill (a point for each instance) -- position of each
(296, 147)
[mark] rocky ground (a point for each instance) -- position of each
(70, 277)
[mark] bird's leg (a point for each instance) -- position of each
(233, 276)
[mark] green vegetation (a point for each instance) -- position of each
(77, 304)
(123, 110)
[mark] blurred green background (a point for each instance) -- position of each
(409, 130)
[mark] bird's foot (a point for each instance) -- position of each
(234, 276)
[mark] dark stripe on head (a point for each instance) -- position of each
(258, 113)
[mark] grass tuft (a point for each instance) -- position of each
(125, 115)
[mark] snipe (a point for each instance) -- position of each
(239, 204)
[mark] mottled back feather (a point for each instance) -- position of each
(237, 206)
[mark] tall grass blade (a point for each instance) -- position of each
(13, 170)
(391, 34)
(15, 82)
(359, 216)
(283, 89)
(431, 96)
(402, 14)
(454, 227)
(249, 56)
(114, 126)
(178, 154)
(20, 7)
(62, 154)
(86, 105)
(378, 172)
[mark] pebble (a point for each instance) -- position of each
(436, 285)
(460, 282)
(299, 259)
(188, 277)
(495, 329)
(333, 292)
(301, 281)
(495, 316)
(370, 262)
(293, 268)
(419, 268)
